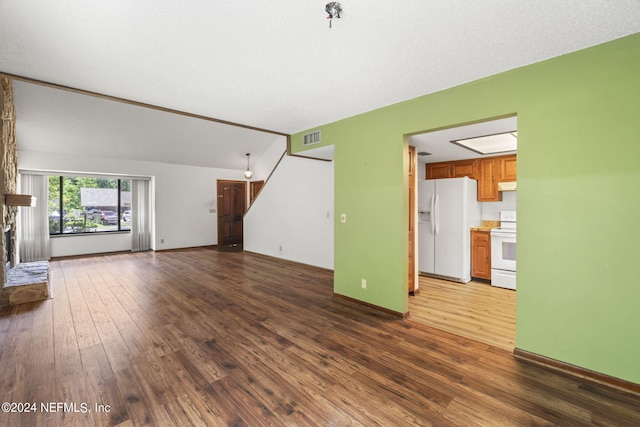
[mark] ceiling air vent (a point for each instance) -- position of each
(311, 138)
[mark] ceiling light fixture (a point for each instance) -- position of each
(334, 9)
(248, 174)
(490, 144)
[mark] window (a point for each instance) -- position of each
(88, 205)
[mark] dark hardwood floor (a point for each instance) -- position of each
(199, 337)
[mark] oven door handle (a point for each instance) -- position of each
(503, 234)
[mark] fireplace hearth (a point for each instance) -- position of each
(24, 282)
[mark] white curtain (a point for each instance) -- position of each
(140, 216)
(33, 225)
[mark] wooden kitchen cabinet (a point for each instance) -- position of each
(463, 168)
(507, 168)
(488, 171)
(488, 180)
(439, 170)
(481, 254)
(454, 169)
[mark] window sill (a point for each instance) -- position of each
(89, 233)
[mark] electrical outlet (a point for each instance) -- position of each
(161, 240)
(343, 217)
(363, 283)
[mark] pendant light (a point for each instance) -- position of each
(248, 174)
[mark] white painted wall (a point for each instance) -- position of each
(293, 212)
(184, 197)
(263, 165)
(491, 210)
(82, 245)
(292, 218)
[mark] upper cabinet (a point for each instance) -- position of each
(489, 171)
(456, 169)
(488, 180)
(439, 170)
(507, 168)
(465, 168)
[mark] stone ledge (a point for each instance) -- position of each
(26, 282)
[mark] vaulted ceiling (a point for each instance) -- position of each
(277, 65)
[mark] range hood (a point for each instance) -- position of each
(507, 186)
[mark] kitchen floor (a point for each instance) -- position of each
(473, 310)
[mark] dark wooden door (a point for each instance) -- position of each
(254, 189)
(232, 197)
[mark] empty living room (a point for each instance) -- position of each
(212, 213)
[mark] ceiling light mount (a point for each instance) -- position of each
(334, 9)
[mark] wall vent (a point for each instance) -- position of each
(311, 138)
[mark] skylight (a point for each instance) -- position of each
(491, 144)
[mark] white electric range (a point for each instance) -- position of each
(503, 252)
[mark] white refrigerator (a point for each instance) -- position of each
(447, 209)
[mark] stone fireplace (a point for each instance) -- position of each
(20, 282)
(9, 173)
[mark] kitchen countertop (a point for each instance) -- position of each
(486, 226)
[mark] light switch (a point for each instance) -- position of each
(343, 217)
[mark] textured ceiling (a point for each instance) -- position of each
(277, 65)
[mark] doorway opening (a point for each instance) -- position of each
(465, 302)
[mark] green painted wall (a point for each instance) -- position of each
(578, 297)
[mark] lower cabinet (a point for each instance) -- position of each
(481, 254)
